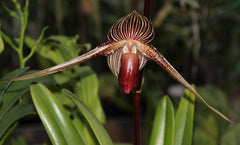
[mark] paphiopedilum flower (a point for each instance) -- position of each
(127, 51)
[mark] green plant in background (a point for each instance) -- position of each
(10, 111)
(1, 42)
(86, 89)
(168, 130)
(165, 130)
(55, 114)
(208, 128)
(18, 44)
(56, 49)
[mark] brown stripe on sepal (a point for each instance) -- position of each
(132, 27)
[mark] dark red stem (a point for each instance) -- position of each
(137, 112)
(146, 12)
(137, 117)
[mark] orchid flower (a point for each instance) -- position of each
(127, 52)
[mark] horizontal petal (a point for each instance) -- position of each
(103, 49)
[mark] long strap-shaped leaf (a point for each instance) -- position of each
(98, 129)
(163, 126)
(152, 53)
(183, 130)
(100, 50)
(55, 119)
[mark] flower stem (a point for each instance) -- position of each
(137, 119)
(23, 18)
(137, 115)
(21, 39)
(146, 12)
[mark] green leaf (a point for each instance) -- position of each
(98, 129)
(184, 120)
(63, 77)
(8, 132)
(211, 94)
(84, 129)
(10, 12)
(207, 132)
(87, 91)
(67, 45)
(30, 42)
(231, 137)
(163, 126)
(8, 40)
(60, 48)
(11, 92)
(40, 38)
(64, 40)
(54, 118)
(1, 41)
(47, 51)
(35, 45)
(14, 114)
(19, 141)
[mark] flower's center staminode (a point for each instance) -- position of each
(130, 47)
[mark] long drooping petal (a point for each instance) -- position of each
(103, 49)
(151, 53)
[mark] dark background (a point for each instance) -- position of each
(199, 38)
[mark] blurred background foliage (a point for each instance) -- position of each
(200, 38)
